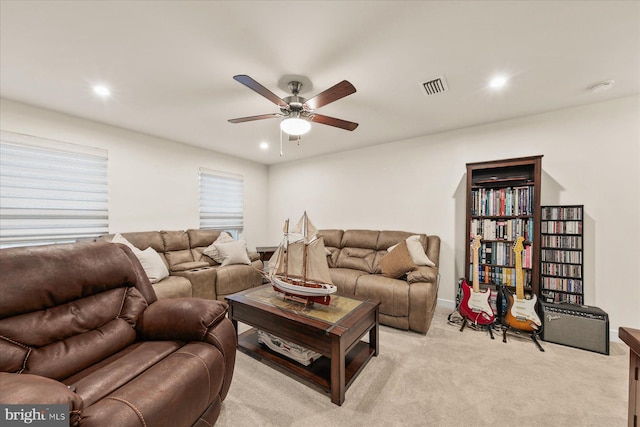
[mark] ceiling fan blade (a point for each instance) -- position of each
(332, 121)
(334, 93)
(252, 118)
(257, 87)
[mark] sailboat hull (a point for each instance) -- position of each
(304, 291)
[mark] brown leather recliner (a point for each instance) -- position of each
(80, 325)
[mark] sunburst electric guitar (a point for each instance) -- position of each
(475, 304)
(521, 313)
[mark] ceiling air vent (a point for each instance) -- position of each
(437, 85)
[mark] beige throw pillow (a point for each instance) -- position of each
(212, 251)
(418, 255)
(152, 264)
(149, 259)
(397, 262)
(233, 252)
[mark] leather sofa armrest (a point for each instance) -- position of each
(183, 319)
(423, 274)
(192, 319)
(27, 389)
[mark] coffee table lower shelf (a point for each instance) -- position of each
(319, 371)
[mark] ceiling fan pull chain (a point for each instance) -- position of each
(281, 154)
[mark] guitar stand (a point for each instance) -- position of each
(533, 335)
(464, 324)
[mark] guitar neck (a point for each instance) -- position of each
(519, 277)
(476, 281)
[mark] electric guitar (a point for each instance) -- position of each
(475, 304)
(521, 312)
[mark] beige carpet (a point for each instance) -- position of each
(446, 378)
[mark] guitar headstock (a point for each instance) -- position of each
(517, 246)
(475, 244)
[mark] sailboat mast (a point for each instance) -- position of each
(304, 249)
(286, 253)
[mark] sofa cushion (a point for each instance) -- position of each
(175, 398)
(141, 239)
(386, 239)
(189, 266)
(397, 262)
(345, 279)
(332, 238)
(101, 379)
(202, 237)
(173, 287)
(392, 293)
(356, 258)
(236, 278)
(176, 247)
(367, 239)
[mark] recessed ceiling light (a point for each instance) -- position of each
(102, 91)
(498, 82)
(264, 145)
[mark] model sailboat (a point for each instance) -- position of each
(299, 269)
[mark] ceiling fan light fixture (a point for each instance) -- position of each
(295, 126)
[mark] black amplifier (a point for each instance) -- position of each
(577, 326)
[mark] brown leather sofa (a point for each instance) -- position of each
(80, 325)
(191, 273)
(354, 263)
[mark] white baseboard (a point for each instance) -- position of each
(446, 304)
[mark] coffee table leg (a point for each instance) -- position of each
(337, 371)
(373, 336)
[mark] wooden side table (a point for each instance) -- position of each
(632, 338)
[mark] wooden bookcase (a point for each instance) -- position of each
(503, 202)
(561, 253)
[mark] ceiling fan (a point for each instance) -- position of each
(296, 111)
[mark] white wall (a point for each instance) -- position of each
(153, 182)
(591, 157)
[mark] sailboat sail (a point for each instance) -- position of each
(317, 269)
(300, 268)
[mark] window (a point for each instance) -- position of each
(221, 201)
(50, 191)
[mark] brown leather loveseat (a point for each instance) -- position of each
(407, 302)
(80, 325)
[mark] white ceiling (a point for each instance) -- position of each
(170, 64)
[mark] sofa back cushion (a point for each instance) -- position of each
(358, 250)
(362, 249)
(199, 240)
(66, 307)
(141, 240)
(176, 248)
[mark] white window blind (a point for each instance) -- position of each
(221, 201)
(50, 191)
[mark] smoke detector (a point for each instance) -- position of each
(435, 85)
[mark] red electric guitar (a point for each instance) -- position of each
(521, 313)
(475, 304)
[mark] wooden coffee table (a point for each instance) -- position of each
(335, 331)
